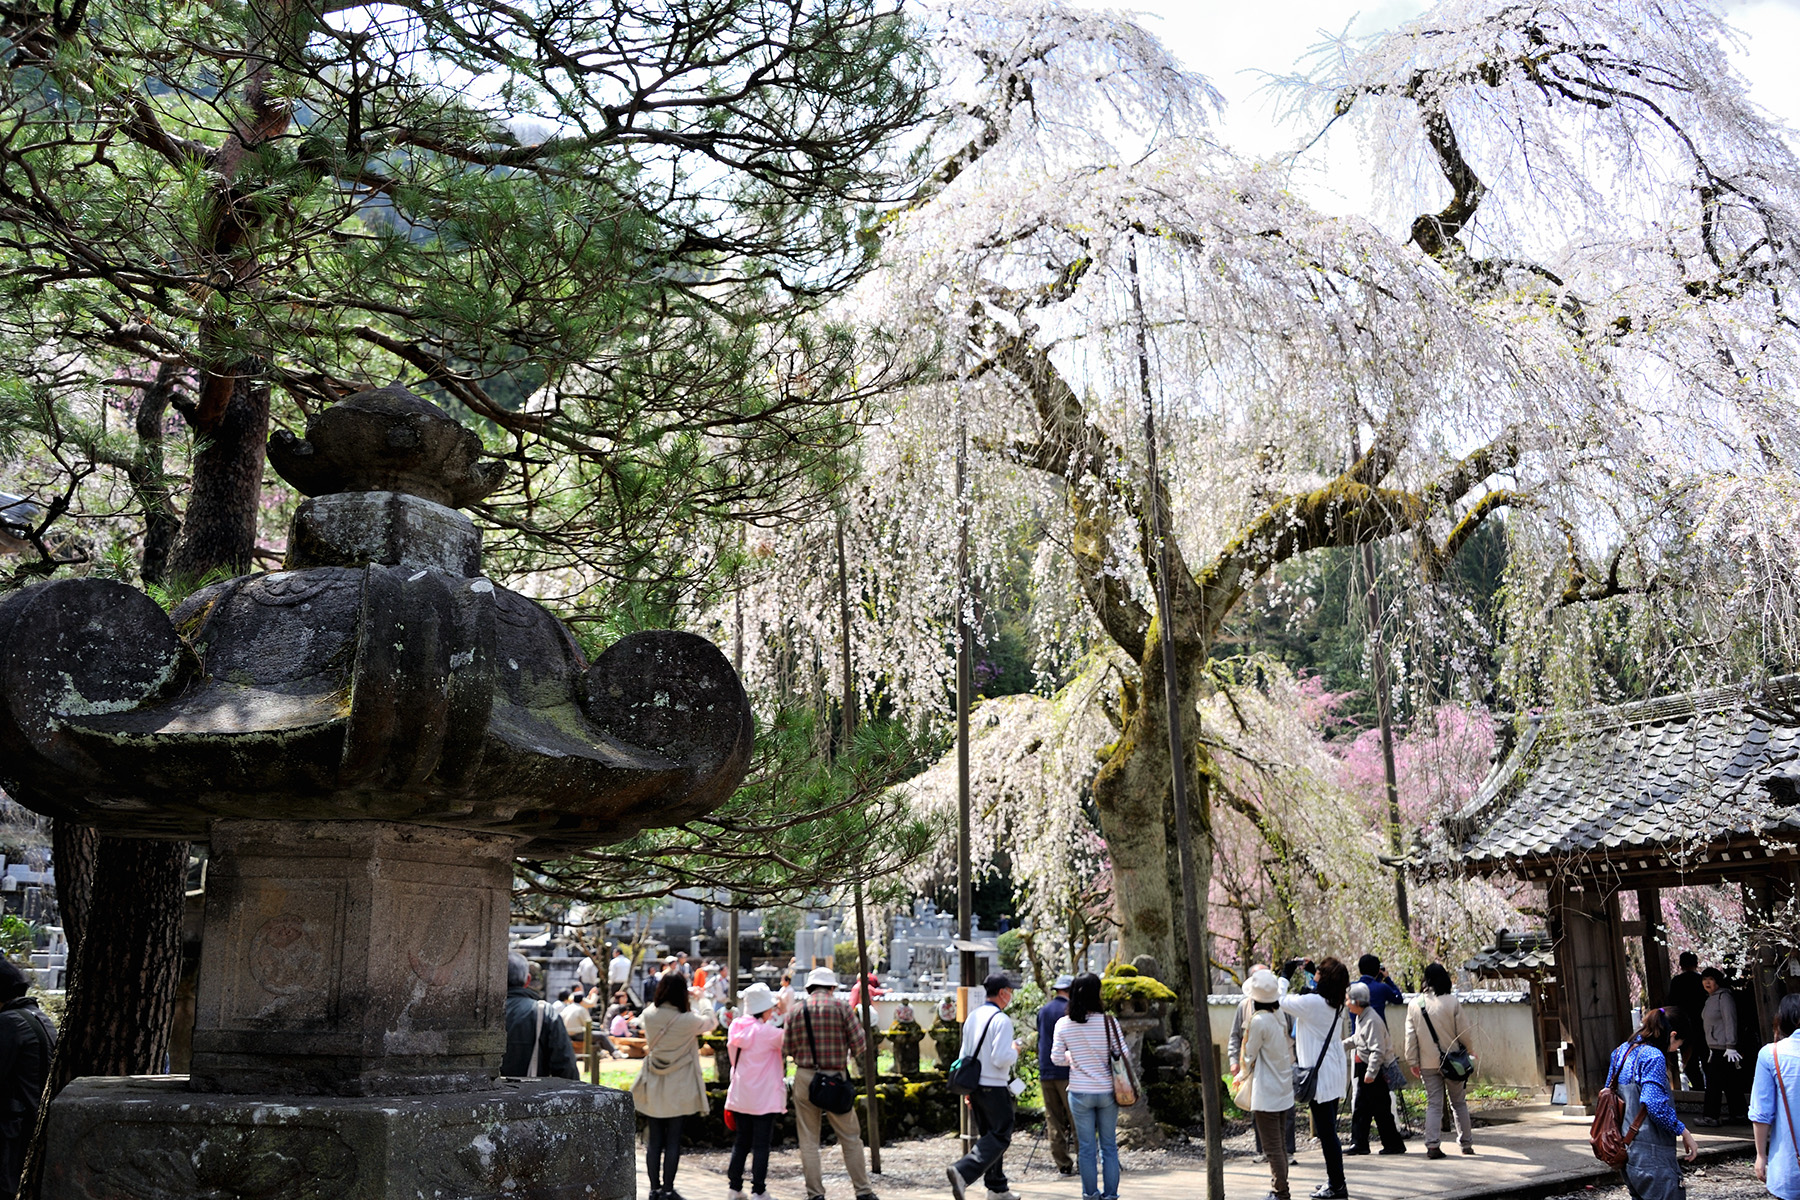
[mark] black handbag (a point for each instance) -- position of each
(965, 1072)
(1455, 1063)
(829, 1090)
(1306, 1079)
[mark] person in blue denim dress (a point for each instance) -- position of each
(1772, 1099)
(1639, 1071)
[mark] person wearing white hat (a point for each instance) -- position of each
(822, 1033)
(758, 1093)
(1054, 1079)
(1268, 1062)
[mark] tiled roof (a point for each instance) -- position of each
(1515, 954)
(1674, 774)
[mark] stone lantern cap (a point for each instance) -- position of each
(380, 677)
(386, 440)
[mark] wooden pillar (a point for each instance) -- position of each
(1590, 966)
(1656, 946)
(1762, 898)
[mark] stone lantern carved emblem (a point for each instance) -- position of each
(366, 738)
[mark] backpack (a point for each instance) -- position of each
(1608, 1135)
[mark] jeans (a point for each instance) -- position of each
(1270, 1125)
(992, 1108)
(664, 1156)
(755, 1132)
(1096, 1137)
(1324, 1120)
(1652, 1171)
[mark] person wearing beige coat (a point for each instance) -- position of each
(1437, 1010)
(671, 1084)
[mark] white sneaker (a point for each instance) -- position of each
(759, 1196)
(734, 1196)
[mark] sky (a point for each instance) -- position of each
(1234, 42)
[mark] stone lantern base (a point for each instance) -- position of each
(150, 1138)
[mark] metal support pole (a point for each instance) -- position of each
(1198, 947)
(965, 887)
(1384, 714)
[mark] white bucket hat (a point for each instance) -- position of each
(1263, 987)
(757, 998)
(821, 977)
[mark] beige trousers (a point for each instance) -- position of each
(849, 1135)
(1437, 1089)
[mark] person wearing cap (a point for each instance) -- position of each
(1372, 1050)
(1267, 1059)
(988, 1036)
(821, 1034)
(1084, 1041)
(758, 1093)
(1054, 1079)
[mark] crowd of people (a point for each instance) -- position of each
(1308, 1037)
(1305, 1040)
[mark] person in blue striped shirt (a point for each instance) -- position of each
(1773, 1096)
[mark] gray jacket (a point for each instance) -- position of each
(1719, 1018)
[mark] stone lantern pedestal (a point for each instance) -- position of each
(366, 740)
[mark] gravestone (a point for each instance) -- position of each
(366, 740)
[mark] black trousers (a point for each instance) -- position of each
(1725, 1086)
(664, 1156)
(755, 1132)
(1324, 1119)
(1373, 1102)
(993, 1110)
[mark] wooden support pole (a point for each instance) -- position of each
(1656, 946)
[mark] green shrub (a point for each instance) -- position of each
(1012, 951)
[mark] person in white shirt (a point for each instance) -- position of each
(618, 970)
(588, 972)
(988, 1035)
(1318, 1025)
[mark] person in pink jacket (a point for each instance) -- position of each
(758, 1091)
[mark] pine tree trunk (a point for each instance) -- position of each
(72, 850)
(219, 529)
(125, 971)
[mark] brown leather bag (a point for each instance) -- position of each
(1608, 1135)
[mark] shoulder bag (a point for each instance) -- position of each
(829, 1090)
(1124, 1072)
(537, 1042)
(1781, 1086)
(1608, 1135)
(1306, 1079)
(1455, 1062)
(965, 1072)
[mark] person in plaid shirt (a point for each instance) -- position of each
(827, 1023)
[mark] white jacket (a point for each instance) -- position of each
(990, 1027)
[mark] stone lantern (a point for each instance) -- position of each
(366, 739)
